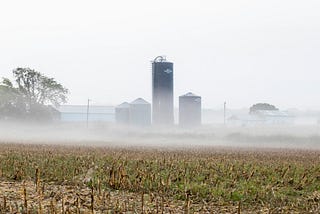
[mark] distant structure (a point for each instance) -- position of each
(140, 113)
(162, 91)
(189, 110)
(122, 113)
(78, 113)
(263, 117)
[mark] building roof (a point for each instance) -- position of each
(247, 118)
(139, 101)
(272, 113)
(262, 115)
(82, 109)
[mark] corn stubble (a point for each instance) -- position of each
(57, 179)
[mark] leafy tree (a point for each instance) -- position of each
(31, 95)
(262, 106)
(39, 89)
(12, 103)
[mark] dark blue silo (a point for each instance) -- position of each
(162, 91)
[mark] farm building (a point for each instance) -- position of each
(263, 117)
(79, 113)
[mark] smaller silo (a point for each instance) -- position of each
(140, 112)
(190, 110)
(122, 113)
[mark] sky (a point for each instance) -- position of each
(238, 51)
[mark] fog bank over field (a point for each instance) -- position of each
(295, 137)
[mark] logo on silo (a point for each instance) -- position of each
(197, 100)
(168, 71)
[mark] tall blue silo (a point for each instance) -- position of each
(162, 91)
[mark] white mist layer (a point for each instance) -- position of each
(99, 134)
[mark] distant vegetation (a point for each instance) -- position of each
(29, 95)
(262, 106)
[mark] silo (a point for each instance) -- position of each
(122, 113)
(162, 91)
(140, 113)
(189, 110)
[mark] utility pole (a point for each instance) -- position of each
(224, 113)
(88, 113)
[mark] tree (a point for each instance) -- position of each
(262, 106)
(32, 94)
(12, 103)
(39, 89)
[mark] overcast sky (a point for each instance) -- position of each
(239, 51)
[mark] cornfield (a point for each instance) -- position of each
(61, 179)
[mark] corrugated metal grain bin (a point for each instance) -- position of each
(190, 110)
(162, 91)
(122, 113)
(140, 113)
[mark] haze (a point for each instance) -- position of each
(241, 52)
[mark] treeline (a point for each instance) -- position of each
(30, 96)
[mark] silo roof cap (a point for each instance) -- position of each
(123, 105)
(139, 101)
(190, 94)
(160, 59)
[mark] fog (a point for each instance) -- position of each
(242, 52)
(238, 52)
(174, 137)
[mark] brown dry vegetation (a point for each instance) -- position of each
(58, 179)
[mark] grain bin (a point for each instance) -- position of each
(162, 91)
(140, 113)
(122, 113)
(189, 110)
